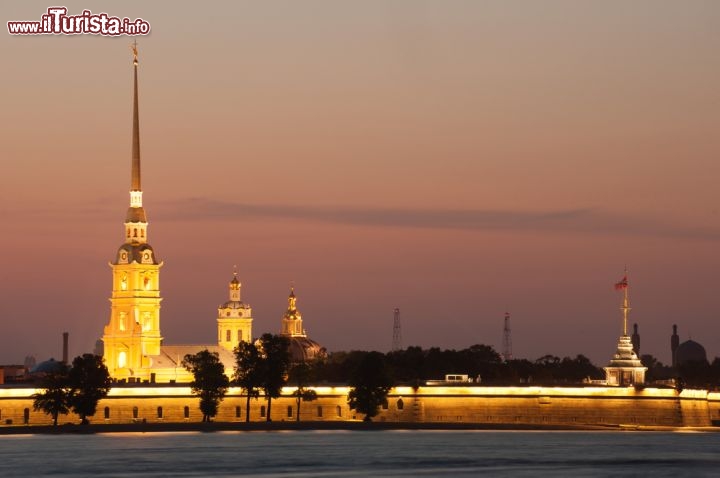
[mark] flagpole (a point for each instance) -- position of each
(626, 301)
(625, 309)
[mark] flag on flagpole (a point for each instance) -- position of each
(622, 284)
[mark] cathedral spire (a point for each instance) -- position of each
(135, 180)
(135, 220)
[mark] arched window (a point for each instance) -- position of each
(400, 404)
(186, 412)
(128, 233)
(319, 412)
(238, 412)
(159, 412)
(135, 412)
(122, 359)
(385, 404)
(142, 232)
(290, 411)
(26, 416)
(262, 411)
(338, 410)
(228, 335)
(134, 232)
(106, 413)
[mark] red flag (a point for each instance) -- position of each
(622, 284)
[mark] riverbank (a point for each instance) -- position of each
(319, 426)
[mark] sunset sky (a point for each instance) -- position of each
(455, 159)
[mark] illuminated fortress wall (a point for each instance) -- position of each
(491, 405)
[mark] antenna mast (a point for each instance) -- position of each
(507, 339)
(397, 334)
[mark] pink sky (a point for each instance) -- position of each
(451, 158)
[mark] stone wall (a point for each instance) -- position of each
(451, 404)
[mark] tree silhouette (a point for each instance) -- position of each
(370, 384)
(54, 399)
(276, 360)
(209, 380)
(249, 371)
(89, 382)
(300, 375)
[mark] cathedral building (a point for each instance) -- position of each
(132, 343)
(133, 347)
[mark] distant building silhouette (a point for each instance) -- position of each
(674, 343)
(636, 340)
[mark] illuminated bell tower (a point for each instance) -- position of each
(133, 335)
(234, 318)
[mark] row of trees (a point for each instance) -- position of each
(77, 388)
(414, 365)
(263, 365)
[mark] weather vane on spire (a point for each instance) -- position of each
(134, 49)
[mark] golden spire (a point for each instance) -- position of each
(135, 180)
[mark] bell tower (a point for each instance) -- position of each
(132, 336)
(234, 320)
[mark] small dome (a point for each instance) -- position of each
(690, 351)
(49, 366)
(302, 349)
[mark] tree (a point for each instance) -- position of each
(249, 371)
(209, 380)
(300, 376)
(370, 385)
(276, 360)
(89, 382)
(55, 397)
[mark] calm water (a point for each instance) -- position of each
(363, 453)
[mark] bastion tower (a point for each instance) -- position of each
(625, 369)
(133, 335)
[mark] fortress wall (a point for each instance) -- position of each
(491, 405)
(694, 408)
(713, 399)
(534, 405)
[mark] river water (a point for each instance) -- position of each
(362, 453)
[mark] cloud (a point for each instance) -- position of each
(581, 220)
